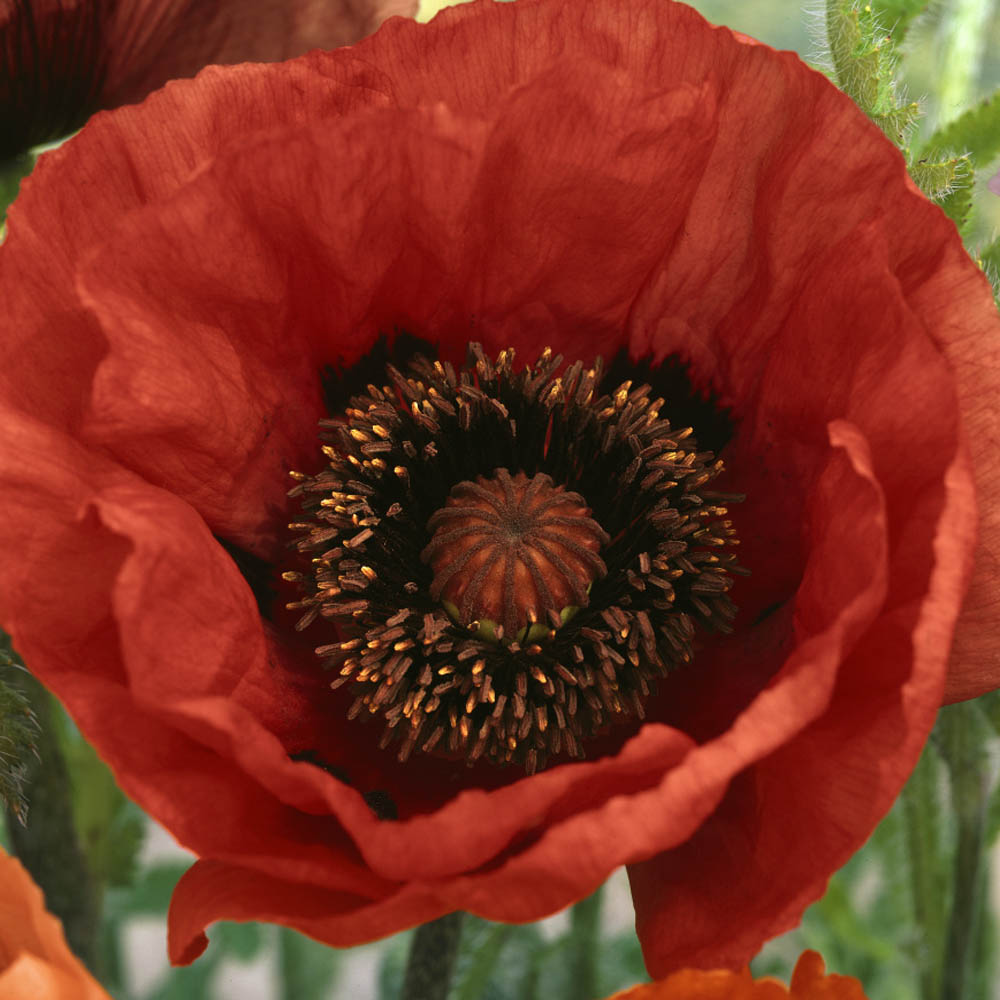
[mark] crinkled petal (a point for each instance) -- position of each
(872, 727)
(971, 343)
(101, 548)
(214, 890)
(517, 887)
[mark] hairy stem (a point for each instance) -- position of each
(972, 782)
(47, 844)
(585, 933)
(432, 958)
(922, 830)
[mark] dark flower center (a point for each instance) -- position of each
(508, 561)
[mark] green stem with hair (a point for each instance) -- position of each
(585, 940)
(47, 843)
(922, 829)
(972, 780)
(432, 958)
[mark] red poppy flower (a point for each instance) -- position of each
(35, 961)
(62, 60)
(809, 982)
(616, 179)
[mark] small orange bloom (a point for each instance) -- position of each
(35, 961)
(809, 982)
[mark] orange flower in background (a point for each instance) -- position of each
(62, 60)
(809, 982)
(35, 961)
(194, 283)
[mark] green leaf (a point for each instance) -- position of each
(898, 122)
(897, 15)
(111, 828)
(957, 203)
(977, 133)
(936, 178)
(949, 183)
(18, 733)
(307, 970)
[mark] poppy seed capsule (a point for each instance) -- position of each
(513, 550)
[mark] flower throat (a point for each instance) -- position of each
(509, 561)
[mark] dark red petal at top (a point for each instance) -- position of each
(62, 60)
(152, 41)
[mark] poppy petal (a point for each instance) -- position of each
(402, 185)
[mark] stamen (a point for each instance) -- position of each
(515, 563)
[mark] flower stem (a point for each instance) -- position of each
(585, 930)
(972, 780)
(432, 958)
(47, 844)
(922, 829)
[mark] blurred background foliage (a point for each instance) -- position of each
(913, 914)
